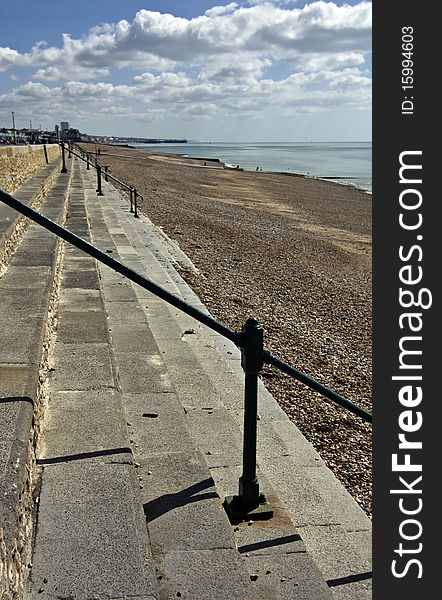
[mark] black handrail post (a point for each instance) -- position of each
(87, 162)
(99, 190)
(250, 504)
(135, 204)
(105, 173)
(63, 157)
(131, 192)
(69, 148)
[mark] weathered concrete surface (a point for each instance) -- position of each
(25, 295)
(91, 539)
(32, 193)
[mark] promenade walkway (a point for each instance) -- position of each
(141, 433)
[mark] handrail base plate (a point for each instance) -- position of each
(238, 513)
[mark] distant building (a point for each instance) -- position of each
(72, 135)
(57, 132)
(64, 125)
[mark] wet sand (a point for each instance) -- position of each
(296, 253)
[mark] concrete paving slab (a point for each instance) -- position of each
(338, 562)
(81, 232)
(31, 278)
(119, 292)
(16, 380)
(290, 440)
(85, 279)
(5, 449)
(182, 508)
(174, 349)
(78, 263)
(95, 422)
(76, 217)
(216, 435)
(268, 408)
(35, 256)
(275, 537)
(71, 251)
(202, 575)
(77, 299)
(80, 366)
(133, 337)
(23, 302)
(9, 413)
(21, 339)
(272, 446)
(148, 405)
(274, 550)
(109, 276)
(195, 389)
(338, 501)
(88, 512)
(142, 374)
(310, 500)
(83, 327)
(287, 577)
(121, 312)
(157, 424)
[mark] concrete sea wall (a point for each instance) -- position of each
(18, 163)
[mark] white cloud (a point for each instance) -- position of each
(10, 58)
(237, 59)
(158, 41)
(215, 11)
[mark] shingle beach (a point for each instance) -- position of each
(293, 251)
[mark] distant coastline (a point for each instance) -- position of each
(129, 141)
(346, 163)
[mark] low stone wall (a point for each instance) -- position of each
(18, 163)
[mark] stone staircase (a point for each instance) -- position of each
(139, 411)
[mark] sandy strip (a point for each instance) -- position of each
(294, 252)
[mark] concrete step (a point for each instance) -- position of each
(192, 541)
(32, 193)
(91, 539)
(26, 289)
(202, 372)
(336, 532)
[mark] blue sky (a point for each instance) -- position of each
(252, 70)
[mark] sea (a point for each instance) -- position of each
(348, 163)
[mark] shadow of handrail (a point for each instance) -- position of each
(286, 539)
(350, 579)
(12, 399)
(167, 502)
(84, 455)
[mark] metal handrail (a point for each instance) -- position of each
(107, 174)
(119, 267)
(315, 385)
(249, 502)
(133, 193)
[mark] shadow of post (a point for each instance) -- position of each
(167, 502)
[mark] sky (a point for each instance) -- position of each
(206, 70)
